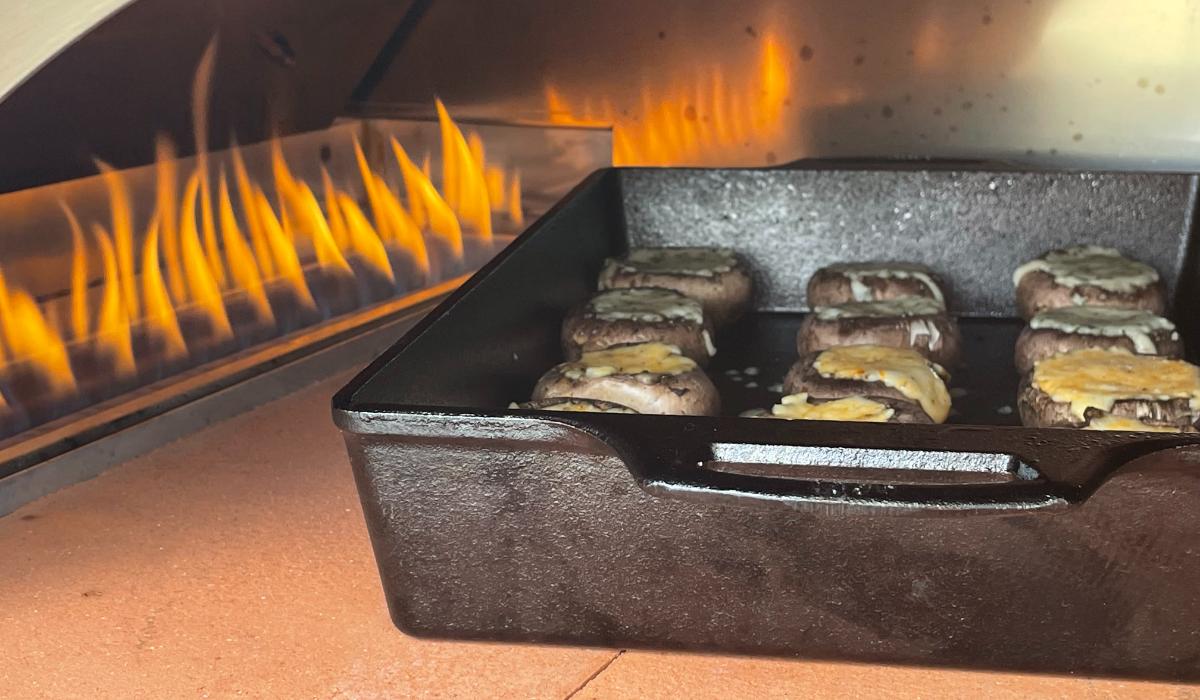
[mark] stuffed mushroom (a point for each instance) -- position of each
(918, 323)
(1069, 328)
(639, 315)
(647, 377)
(873, 281)
(1107, 388)
(1087, 276)
(716, 277)
(901, 379)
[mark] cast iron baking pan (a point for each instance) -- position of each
(977, 543)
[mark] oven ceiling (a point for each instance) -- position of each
(283, 65)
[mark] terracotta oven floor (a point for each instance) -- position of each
(235, 562)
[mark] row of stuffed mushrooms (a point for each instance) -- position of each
(873, 348)
(1097, 352)
(641, 343)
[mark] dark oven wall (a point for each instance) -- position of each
(974, 228)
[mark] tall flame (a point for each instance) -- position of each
(122, 227)
(112, 324)
(243, 269)
(201, 85)
(167, 204)
(258, 239)
(160, 314)
(79, 281)
(462, 177)
(281, 251)
(427, 206)
(362, 237)
(202, 286)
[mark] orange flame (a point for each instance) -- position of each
(462, 176)
(166, 180)
(362, 237)
(202, 286)
(243, 269)
(394, 223)
(282, 252)
(201, 85)
(328, 253)
(29, 337)
(122, 227)
(423, 197)
(712, 120)
(195, 253)
(352, 230)
(249, 204)
(515, 212)
(160, 314)
(79, 271)
(112, 325)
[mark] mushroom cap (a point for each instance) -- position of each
(637, 315)
(933, 333)
(716, 277)
(873, 281)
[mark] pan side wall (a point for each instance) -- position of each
(559, 544)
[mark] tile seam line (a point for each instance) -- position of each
(595, 675)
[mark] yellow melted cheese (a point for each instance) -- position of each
(640, 358)
(1109, 422)
(902, 369)
(1095, 378)
(853, 408)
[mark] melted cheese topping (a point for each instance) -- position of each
(695, 262)
(576, 406)
(853, 408)
(1110, 422)
(902, 369)
(1094, 378)
(645, 305)
(1134, 324)
(640, 358)
(883, 308)
(1091, 266)
(858, 272)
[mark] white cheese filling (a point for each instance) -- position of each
(858, 273)
(882, 308)
(1137, 325)
(1091, 266)
(645, 305)
(696, 262)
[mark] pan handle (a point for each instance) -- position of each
(857, 480)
